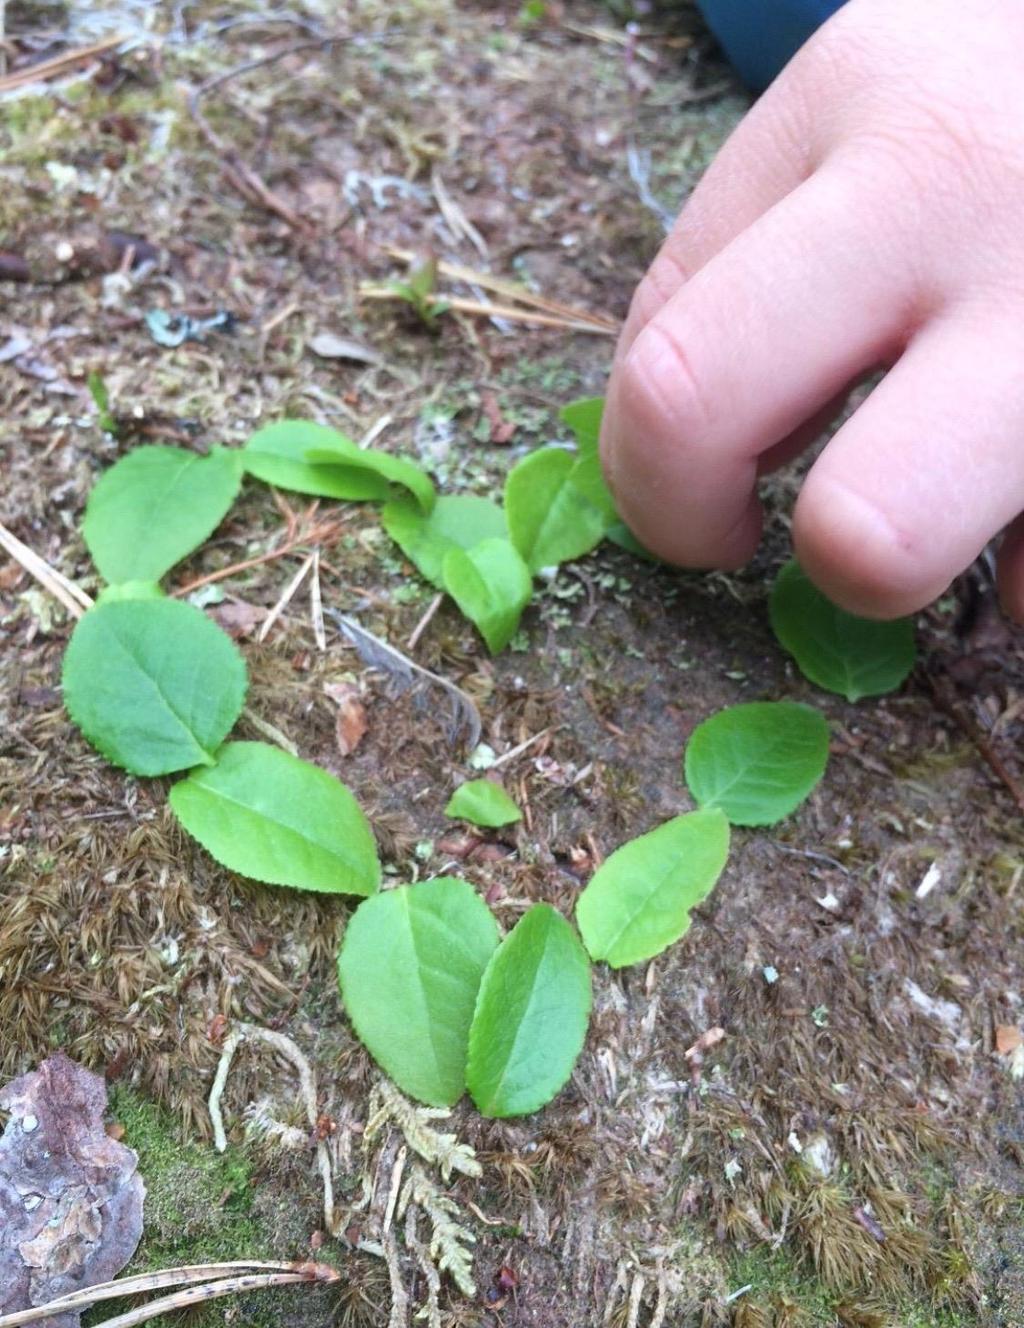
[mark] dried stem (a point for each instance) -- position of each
(74, 599)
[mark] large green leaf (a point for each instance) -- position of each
(531, 1016)
(276, 454)
(491, 585)
(840, 652)
(409, 969)
(153, 684)
(268, 815)
(638, 902)
(343, 454)
(550, 519)
(154, 507)
(482, 802)
(457, 522)
(757, 761)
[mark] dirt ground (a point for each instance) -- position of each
(850, 1151)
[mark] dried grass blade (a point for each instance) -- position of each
(200, 1295)
(74, 599)
(511, 290)
(143, 1282)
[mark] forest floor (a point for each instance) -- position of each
(850, 1152)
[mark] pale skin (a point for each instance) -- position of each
(867, 213)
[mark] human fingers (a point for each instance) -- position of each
(765, 335)
(925, 473)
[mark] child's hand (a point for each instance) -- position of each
(868, 212)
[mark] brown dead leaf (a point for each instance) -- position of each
(350, 725)
(238, 618)
(502, 430)
(1008, 1038)
(70, 1195)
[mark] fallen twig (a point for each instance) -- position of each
(985, 749)
(72, 596)
(58, 65)
(484, 310)
(511, 290)
(157, 1281)
(199, 1295)
(307, 535)
(247, 181)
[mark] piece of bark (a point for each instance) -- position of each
(70, 1195)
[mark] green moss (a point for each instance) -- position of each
(200, 1208)
(776, 1279)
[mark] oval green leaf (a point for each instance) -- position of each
(276, 454)
(531, 1016)
(343, 454)
(491, 585)
(153, 684)
(757, 761)
(265, 814)
(409, 970)
(639, 900)
(838, 651)
(550, 520)
(482, 802)
(154, 507)
(457, 522)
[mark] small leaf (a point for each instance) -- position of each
(409, 970)
(550, 520)
(457, 522)
(583, 417)
(757, 761)
(491, 585)
(638, 902)
(153, 684)
(838, 651)
(531, 1016)
(154, 507)
(344, 454)
(482, 802)
(270, 816)
(276, 454)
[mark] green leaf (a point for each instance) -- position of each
(276, 454)
(583, 417)
(482, 802)
(491, 585)
(757, 761)
(550, 520)
(343, 454)
(409, 970)
(457, 522)
(154, 506)
(101, 398)
(531, 1016)
(153, 684)
(835, 649)
(638, 902)
(264, 813)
